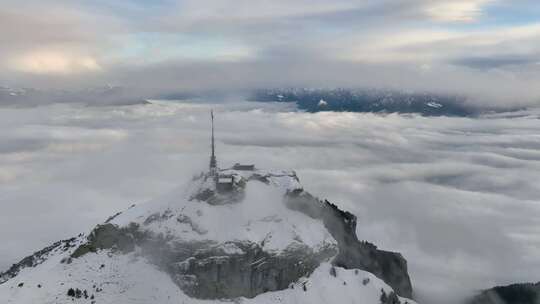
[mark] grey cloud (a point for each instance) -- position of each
(35, 25)
(19, 145)
(497, 61)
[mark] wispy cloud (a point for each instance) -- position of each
(456, 11)
(51, 62)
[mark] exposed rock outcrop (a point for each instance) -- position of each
(210, 270)
(391, 267)
(109, 236)
(244, 269)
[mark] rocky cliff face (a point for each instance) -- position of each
(244, 270)
(391, 267)
(266, 234)
(209, 269)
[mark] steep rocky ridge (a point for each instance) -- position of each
(38, 257)
(389, 266)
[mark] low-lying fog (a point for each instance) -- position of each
(459, 197)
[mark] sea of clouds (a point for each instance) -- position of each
(458, 197)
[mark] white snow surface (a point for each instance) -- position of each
(322, 103)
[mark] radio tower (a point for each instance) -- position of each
(213, 161)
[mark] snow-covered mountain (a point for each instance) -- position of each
(247, 235)
(375, 101)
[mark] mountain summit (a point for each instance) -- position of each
(264, 239)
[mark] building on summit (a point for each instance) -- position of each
(223, 182)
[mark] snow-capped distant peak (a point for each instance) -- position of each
(434, 105)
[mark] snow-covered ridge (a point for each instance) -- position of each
(41, 256)
(263, 239)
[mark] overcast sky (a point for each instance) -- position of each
(457, 196)
(488, 48)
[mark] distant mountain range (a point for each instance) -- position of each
(310, 100)
(374, 101)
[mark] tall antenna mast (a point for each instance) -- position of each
(213, 162)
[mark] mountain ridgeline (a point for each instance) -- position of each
(372, 101)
